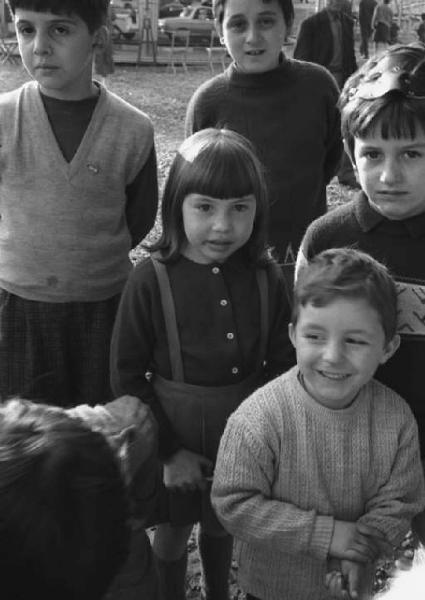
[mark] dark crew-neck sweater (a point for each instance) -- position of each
(290, 115)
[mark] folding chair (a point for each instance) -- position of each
(217, 53)
(9, 50)
(178, 49)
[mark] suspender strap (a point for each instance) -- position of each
(171, 328)
(263, 287)
(169, 313)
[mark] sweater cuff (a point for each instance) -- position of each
(321, 537)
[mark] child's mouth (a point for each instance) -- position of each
(334, 376)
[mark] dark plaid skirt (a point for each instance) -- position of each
(55, 352)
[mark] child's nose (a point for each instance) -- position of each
(332, 351)
(252, 33)
(41, 43)
(222, 222)
(391, 172)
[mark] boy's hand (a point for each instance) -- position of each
(353, 573)
(384, 547)
(187, 471)
(360, 543)
(344, 583)
(336, 585)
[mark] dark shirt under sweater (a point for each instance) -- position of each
(290, 116)
(211, 301)
(400, 245)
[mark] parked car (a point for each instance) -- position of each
(132, 4)
(124, 21)
(173, 9)
(198, 20)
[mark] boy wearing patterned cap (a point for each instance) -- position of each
(383, 125)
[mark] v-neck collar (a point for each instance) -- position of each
(80, 158)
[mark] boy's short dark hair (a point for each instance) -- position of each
(63, 506)
(397, 113)
(347, 273)
(92, 12)
(286, 6)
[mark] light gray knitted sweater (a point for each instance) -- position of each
(288, 466)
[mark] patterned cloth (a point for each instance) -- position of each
(56, 353)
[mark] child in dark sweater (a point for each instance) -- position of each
(383, 124)
(285, 107)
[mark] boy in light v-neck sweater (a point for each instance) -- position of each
(78, 190)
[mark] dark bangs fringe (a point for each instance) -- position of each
(227, 179)
(93, 12)
(395, 118)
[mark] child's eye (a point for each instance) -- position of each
(240, 207)
(372, 154)
(413, 154)
(267, 22)
(25, 30)
(237, 25)
(60, 30)
(356, 341)
(313, 337)
(203, 207)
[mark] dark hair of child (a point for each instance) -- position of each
(92, 12)
(423, 16)
(219, 163)
(286, 6)
(347, 273)
(397, 115)
(63, 506)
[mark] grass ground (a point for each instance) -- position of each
(163, 96)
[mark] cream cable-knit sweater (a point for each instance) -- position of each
(288, 466)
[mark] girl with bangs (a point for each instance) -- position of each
(202, 323)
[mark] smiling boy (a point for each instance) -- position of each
(78, 190)
(322, 464)
(383, 125)
(286, 108)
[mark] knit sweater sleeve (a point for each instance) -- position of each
(142, 200)
(132, 343)
(334, 147)
(243, 498)
(201, 110)
(402, 495)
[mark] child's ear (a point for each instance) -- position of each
(291, 333)
(100, 37)
(391, 348)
